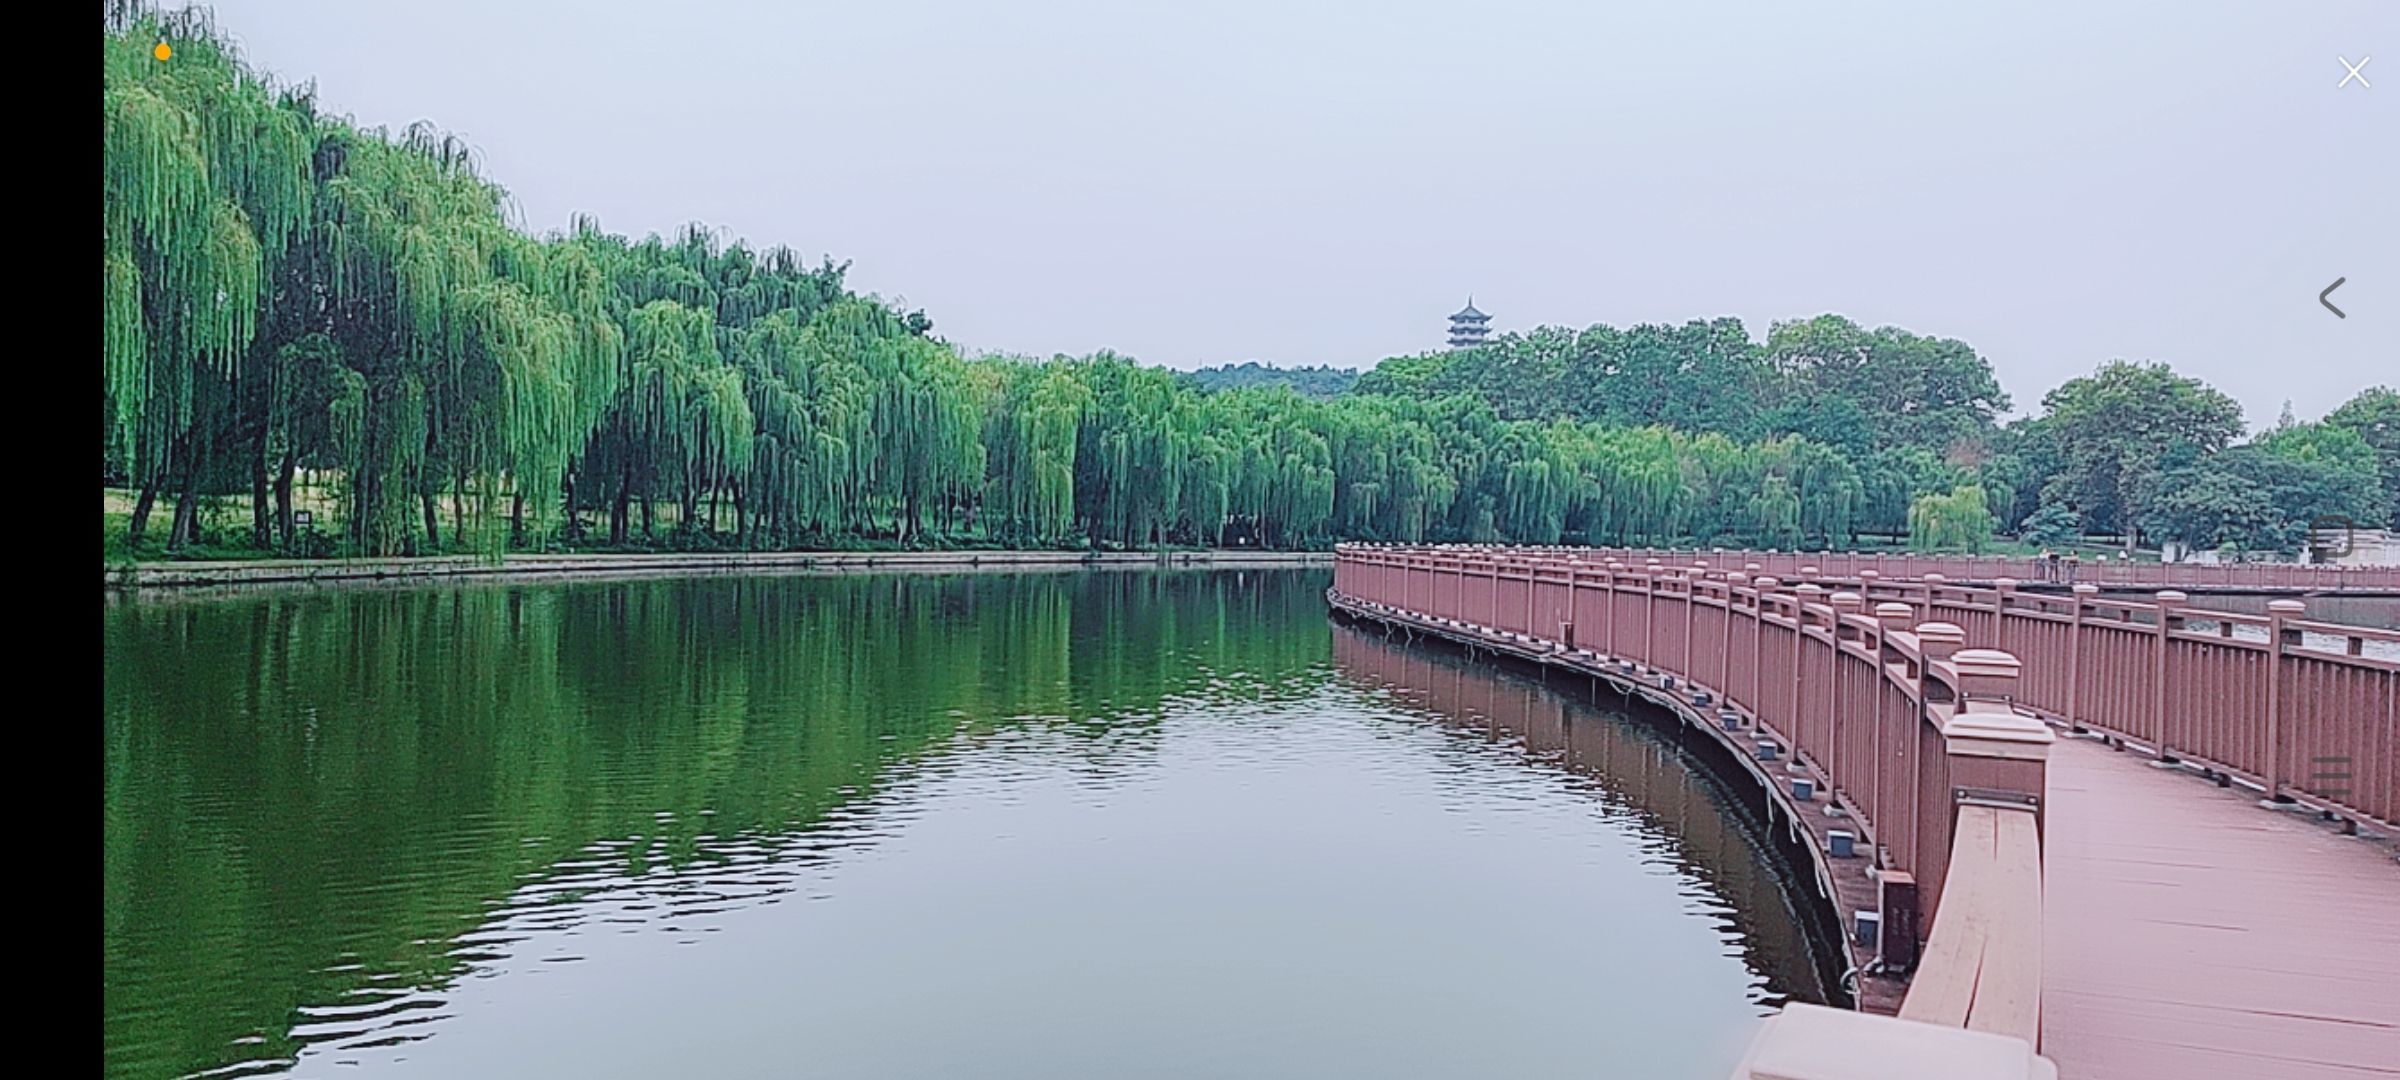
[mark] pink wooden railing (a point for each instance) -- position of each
(1864, 675)
(1814, 677)
(1916, 737)
(2304, 710)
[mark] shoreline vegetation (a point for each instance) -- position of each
(328, 341)
(535, 567)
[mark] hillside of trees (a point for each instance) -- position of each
(299, 311)
(1319, 381)
(2133, 451)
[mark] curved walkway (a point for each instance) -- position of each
(2185, 931)
(2189, 933)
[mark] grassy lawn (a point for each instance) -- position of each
(224, 525)
(2089, 550)
(225, 532)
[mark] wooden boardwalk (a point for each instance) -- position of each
(2190, 933)
(2174, 927)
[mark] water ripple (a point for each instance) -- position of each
(532, 805)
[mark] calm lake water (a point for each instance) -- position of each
(2371, 612)
(2379, 612)
(993, 825)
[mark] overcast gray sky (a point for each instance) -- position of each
(1306, 182)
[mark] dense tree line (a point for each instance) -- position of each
(1318, 381)
(2139, 452)
(288, 296)
(2134, 451)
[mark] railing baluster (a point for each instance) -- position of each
(2326, 734)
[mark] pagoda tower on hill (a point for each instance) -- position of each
(1469, 327)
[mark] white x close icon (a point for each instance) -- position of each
(2354, 72)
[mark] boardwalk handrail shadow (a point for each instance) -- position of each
(2301, 710)
(2112, 574)
(1930, 753)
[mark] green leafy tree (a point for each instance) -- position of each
(288, 295)
(1934, 393)
(2267, 495)
(2340, 466)
(2213, 505)
(2374, 416)
(2052, 526)
(2113, 429)
(1321, 381)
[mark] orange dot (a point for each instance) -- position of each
(161, 51)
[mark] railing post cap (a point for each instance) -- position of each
(1815, 1042)
(1810, 589)
(1848, 601)
(2084, 588)
(1996, 733)
(1986, 663)
(1764, 582)
(2286, 607)
(2006, 584)
(1941, 632)
(1935, 579)
(1893, 609)
(2171, 596)
(1869, 575)
(1752, 567)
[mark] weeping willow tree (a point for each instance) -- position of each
(1893, 478)
(1034, 413)
(1393, 485)
(547, 332)
(1536, 484)
(286, 293)
(282, 288)
(788, 478)
(1637, 491)
(1131, 454)
(682, 428)
(1262, 461)
(1824, 483)
(206, 184)
(487, 358)
(1958, 521)
(799, 483)
(902, 408)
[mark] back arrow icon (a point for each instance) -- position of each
(2337, 312)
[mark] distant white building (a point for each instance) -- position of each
(2354, 547)
(2326, 547)
(2175, 552)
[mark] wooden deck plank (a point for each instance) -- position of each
(2008, 992)
(2188, 933)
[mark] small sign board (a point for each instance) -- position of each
(303, 519)
(2333, 535)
